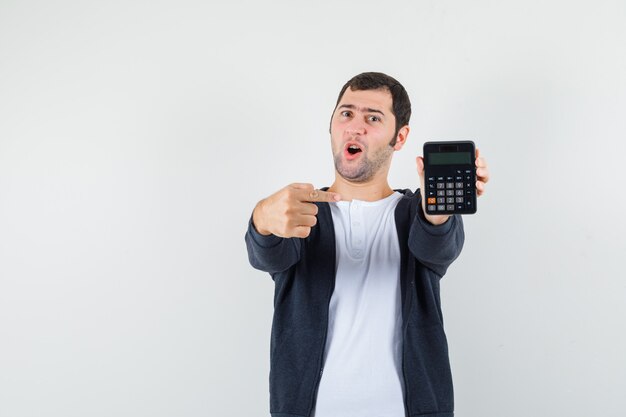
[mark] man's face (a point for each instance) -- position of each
(362, 128)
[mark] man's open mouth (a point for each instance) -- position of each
(354, 149)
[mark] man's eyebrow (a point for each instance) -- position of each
(361, 109)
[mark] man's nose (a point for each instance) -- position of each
(356, 127)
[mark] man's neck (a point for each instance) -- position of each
(373, 190)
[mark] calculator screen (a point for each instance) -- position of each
(449, 158)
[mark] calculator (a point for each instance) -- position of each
(450, 177)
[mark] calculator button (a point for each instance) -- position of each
(452, 191)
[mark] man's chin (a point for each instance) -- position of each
(357, 173)
(354, 177)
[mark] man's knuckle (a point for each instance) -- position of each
(289, 193)
(290, 211)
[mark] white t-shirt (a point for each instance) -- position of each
(362, 374)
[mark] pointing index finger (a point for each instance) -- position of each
(320, 196)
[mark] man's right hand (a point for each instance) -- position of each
(290, 212)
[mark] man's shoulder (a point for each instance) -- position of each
(408, 204)
(408, 194)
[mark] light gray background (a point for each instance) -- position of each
(136, 137)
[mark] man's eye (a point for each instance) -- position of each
(374, 119)
(345, 113)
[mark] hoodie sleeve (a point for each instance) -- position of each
(436, 247)
(271, 253)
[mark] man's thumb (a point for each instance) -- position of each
(420, 165)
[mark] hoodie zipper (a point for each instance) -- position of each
(406, 405)
(404, 331)
(321, 359)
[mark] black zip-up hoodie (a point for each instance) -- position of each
(303, 271)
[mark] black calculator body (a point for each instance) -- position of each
(450, 177)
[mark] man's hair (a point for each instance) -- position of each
(401, 105)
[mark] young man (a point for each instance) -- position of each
(358, 328)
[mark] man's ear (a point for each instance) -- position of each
(403, 133)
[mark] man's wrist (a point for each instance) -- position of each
(434, 219)
(256, 220)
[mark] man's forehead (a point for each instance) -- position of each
(379, 99)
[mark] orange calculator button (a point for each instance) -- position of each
(432, 200)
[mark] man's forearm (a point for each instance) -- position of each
(436, 246)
